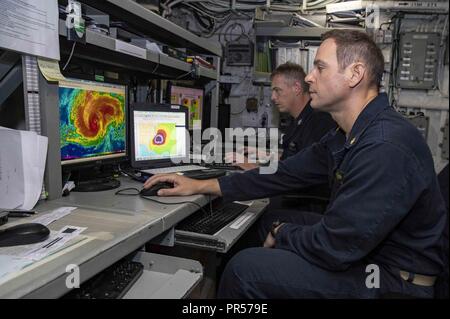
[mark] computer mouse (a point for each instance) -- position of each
(23, 234)
(153, 191)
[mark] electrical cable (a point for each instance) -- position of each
(220, 7)
(395, 60)
(442, 49)
(70, 56)
(183, 75)
(230, 28)
(157, 65)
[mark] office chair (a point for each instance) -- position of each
(442, 284)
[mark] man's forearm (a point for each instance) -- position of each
(209, 186)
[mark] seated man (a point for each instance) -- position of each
(383, 229)
(290, 94)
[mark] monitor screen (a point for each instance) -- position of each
(159, 134)
(191, 98)
(92, 121)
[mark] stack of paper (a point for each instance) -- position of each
(22, 165)
(17, 259)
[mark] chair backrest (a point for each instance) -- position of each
(442, 284)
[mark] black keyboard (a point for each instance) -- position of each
(211, 223)
(205, 173)
(227, 166)
(112, 283)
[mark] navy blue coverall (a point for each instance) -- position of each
(386, 209)
(308, 128)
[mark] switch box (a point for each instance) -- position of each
(239, 53)
(419, 55)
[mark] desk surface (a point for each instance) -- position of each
(117, 225)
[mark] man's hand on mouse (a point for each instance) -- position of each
(184, 186)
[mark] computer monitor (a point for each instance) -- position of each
(158, 135)
(93, 123)
(192, 98)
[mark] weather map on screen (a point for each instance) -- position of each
(92, 121)
(159, 135)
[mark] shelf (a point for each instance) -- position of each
(261, 78)
(155, 26)
(288, 32)
(102, 48)
(175, 63)
(208, 73)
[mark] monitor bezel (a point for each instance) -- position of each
(154, 107)
(188, 86)
(101, 159)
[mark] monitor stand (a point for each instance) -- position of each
(97, 185)
(94, 179)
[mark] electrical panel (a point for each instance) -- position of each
(239, 53)
(421, 122)
(419, 54)
(383, 36)
(251, 104)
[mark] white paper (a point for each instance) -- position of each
(11, 175)
(38, 251)
(56, 214)
(21, 251)
(22, 165)
(54, 243)
(147, 44)
(154, 47)
(13, 266)
(34, 166)
(130, 49)
(10, 264)
(30, 26)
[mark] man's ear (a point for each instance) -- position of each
(355, 73)
(298, 87)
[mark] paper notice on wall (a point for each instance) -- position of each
(50, 70)
(30, 26)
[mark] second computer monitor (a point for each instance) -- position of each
(159, 135)
(92, 121)
(192, 98)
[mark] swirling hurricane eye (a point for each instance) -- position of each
(160, 137)
(92, 123)
(164, 139)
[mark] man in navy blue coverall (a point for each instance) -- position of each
(386, 212)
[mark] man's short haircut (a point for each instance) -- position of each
(355, 46)
(292, 72)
